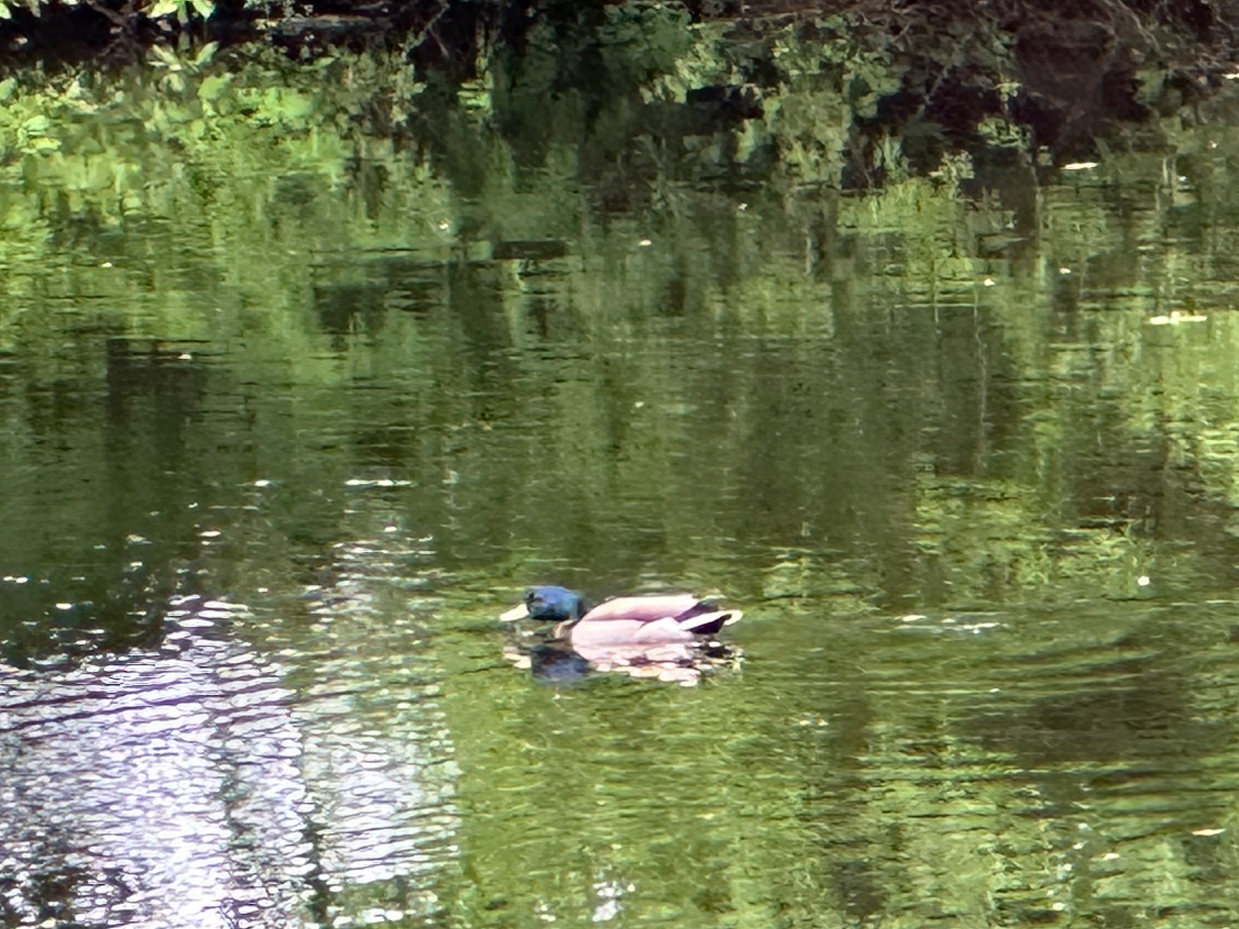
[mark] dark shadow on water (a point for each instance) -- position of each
(557, 664)
(1142, 714)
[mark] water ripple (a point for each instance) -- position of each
(207, 784)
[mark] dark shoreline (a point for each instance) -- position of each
(1072, 78)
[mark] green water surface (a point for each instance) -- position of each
(279, 445)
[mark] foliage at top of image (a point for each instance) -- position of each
(152, 9)
(854, 95)
(126, 16)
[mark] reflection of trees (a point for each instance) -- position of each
(769, 364)
(1000, 768)
(378, 757)
(814, 398)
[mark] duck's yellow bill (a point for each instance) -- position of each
(517, 612)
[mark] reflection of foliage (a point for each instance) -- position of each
(836, 406)
(839, 407)
(825, 85)
(978, 539)
(641, 43)
(288, 163)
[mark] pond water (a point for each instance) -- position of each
(968, 468)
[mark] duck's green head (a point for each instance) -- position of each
(549, 604)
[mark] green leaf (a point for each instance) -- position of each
(166, 57)
(164, 8)
(206, 53)
(211, 88)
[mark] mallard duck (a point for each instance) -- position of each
(657, 619)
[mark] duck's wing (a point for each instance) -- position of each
(689, 613)
(649, 609)
(602, 632)
(709, 622)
